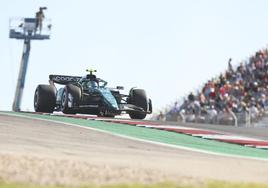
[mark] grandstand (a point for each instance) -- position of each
(238, 96)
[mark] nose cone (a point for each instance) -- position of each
(109, 98)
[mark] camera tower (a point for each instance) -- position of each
(26, 29)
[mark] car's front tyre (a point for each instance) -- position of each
(138, 98)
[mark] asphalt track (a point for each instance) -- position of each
(45, 152)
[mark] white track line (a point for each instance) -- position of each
(225, 137)
(167, 126)
(257, 146)
(138, 139)
(261, 147)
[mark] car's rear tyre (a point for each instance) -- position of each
(71, 96)
(44, 98)
(138, 98)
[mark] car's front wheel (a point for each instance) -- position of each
(138, 98)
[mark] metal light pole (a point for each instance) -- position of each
(25, 29)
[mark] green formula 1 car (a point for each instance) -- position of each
(89, 95)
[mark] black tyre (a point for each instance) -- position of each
(70, 97)
(44, 98)
(138, 98)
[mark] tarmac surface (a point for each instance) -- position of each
(42, 152)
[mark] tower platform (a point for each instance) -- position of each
(25, 28)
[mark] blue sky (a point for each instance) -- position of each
(167, 47)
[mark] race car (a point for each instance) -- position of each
(89, 95)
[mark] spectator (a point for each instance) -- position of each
(161, 116)
(238, 90)
(212, 114)
(191, 97)
(39, 16)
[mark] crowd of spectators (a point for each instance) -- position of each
(238, 90)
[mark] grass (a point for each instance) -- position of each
(211, 184)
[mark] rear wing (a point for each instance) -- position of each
(63, 79)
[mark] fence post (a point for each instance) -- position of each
(235, 118)
(248, 118)
(182, 117)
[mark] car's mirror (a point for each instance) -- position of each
(119, 87)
